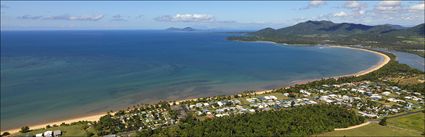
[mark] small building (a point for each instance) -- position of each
(198, 105)
(39, 135)
(57, 133)
(48, 134)
(386, 93)
(219, 103)
(375, 97)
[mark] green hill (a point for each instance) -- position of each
(326, 32)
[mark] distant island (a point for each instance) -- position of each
(407, 39)
(181, 29)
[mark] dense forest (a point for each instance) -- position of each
(299, 121)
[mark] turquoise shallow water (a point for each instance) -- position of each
(48, 75)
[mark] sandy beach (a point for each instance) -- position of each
(96, 117)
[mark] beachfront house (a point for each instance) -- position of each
(57, 133)
(219, 103)
(386, 93)
(48, 134)
(39, 135)
(375, 97)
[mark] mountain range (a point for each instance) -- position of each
(341, 29)
(395, 37)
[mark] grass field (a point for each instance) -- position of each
(71, 130)
(409, 125)
(414, 121)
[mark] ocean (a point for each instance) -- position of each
(52, 75)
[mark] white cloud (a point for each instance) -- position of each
(118, 17)
(64, 17)
(340, 14)
(186, 18)
(388, 6)
(353, 5)
(417, 7)
(390, 3)
(357, 8)
(30, 17)
(75, 18)
(361, 12)
(316, 3)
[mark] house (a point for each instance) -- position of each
(391, 100)
(395, 88)
(368, 115)
(218, 115)
(375, 97)
(305, 92)
(219, 103)
(332, 95)
(326, 99)
(250, 100)
(361, 91)
(219, 111)
(198, 105)
(236, 102)
(386, 93)
(48, 134)
(369, 93)
(39, 135)
(57, 133)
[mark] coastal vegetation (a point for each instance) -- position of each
(326, 32)
(297, 121)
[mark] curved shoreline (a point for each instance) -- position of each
(96, 117)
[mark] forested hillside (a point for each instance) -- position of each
(326, 32)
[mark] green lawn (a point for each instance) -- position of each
(71, 130)
(373, 130)
(409, 125)
(414, 121)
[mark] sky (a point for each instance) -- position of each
(232, 15)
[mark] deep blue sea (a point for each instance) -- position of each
(50, 75)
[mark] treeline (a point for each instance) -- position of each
(299, 121)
